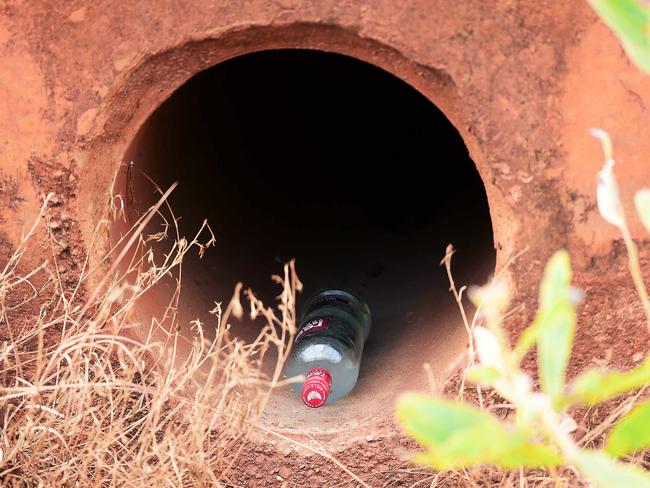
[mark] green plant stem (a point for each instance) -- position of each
(635, 271)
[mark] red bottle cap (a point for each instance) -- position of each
(316, 387)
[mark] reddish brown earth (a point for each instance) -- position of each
(522, 82)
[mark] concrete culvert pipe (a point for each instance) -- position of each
(343, 166)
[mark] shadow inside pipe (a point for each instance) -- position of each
(340, 165)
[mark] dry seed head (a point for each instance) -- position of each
(488, 349)
(492, 299)
(607, 194)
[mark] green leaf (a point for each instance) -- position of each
(605, 472)
(526, 341)
(523, 453)
(597, 385)
(631, 433)
(458, 435)
(483, 375)
(630, 20)
(555, 324)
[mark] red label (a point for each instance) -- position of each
(312, 326)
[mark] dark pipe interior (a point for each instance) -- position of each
(339, 164)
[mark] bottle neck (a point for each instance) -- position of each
(316, 388)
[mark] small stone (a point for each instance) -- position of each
(284, 472)
(55, 201)
(86, 120)
(637, 357)
(78, 15)
(55, 224)
(369, 438)
(286, 451)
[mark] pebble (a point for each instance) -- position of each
(285, 472)
(55, 200)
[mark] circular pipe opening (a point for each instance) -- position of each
(341, 165)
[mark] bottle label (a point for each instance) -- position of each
(311, 327)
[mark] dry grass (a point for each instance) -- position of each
(85, 403)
